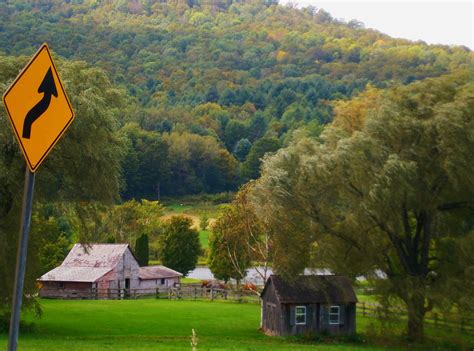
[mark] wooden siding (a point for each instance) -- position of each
(271, 312)
(65, 290)
(156, 283)
(279, 318)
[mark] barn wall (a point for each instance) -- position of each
(126, 268)
(66, 290)
(130, 269)
(156, 283)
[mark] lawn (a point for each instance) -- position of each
(153, 325)
(163, 325)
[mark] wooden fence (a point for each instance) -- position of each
(193, 292)
(433, 319)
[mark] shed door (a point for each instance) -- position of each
(271, 317)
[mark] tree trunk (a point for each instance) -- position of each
(416, 315)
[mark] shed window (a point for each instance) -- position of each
(300, 315)
(334, 315)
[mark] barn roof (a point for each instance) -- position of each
(87, 263)
(75, 274)
(157, 272)
(313, 289)
(95, 255)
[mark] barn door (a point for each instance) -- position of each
(127, 287)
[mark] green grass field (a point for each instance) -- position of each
(165, 325)
(204, 238)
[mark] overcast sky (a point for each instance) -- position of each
(435, 22)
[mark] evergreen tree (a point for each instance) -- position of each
(142, 250)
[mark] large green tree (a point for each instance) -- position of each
(390, 198)
(179, 245)
(83, 166)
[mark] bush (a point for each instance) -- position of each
(25, 327)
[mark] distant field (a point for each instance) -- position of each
(193, 210)
(204, 238)
(162, 325)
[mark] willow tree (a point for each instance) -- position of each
(240, 240)
(394, 194)
(84, 166)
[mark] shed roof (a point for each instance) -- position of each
(157, 272)
(313, 289)
(75, 274)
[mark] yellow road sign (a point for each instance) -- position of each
(38, 107)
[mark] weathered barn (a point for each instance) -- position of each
(104, 271)
(310, 304)
(155, 277)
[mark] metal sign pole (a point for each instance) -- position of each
(21, 259)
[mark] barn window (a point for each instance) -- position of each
(334, 314)
(162, 281)
(300, 315)
(61, 285)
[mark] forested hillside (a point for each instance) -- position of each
(212, 88)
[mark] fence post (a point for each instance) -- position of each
(157, 293)
(195, 293)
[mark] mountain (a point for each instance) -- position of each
(231, 79)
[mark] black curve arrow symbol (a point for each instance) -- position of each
(48, 88)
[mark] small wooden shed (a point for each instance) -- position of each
(309, 304)
(155, 277)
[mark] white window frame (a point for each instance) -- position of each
(297, 314)
(338, 314)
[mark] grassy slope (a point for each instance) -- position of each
(153, 325)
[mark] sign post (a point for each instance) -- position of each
(40, 113)
(21, 260)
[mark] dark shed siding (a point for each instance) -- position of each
(316, 294)
(272, 312)
(291, 328)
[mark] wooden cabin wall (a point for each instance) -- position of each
(65, 290)
(272, 312)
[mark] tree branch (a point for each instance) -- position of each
(456, 206)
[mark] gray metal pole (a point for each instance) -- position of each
(21, 259)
